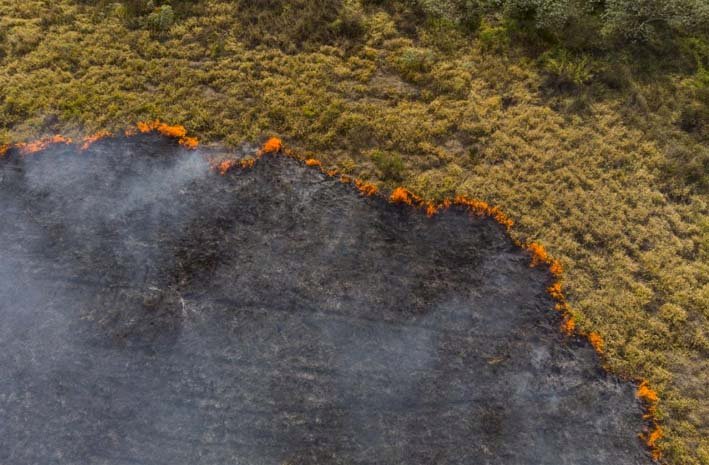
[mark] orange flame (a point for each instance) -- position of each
(189, 142)
(539, 253)
(555, 291)
(596, 341)
(272, 145)
(555, 268)
(176, 132)
(647, 394)
(27, 148)
(90, 140)
(650, 398)
(3, 150)
(401, 195)
(482, 208)
(651, 440)
(366, 188)
(225, 166)
(568, 326)
(313, 162)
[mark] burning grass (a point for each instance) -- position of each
(176, 132)
(654, 432)
(27, 148)
(272, 145)
(88, 141)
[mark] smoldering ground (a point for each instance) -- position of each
(154, 312)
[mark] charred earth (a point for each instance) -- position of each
(155, 312)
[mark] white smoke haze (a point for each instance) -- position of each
(155, 312)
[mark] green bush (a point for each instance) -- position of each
(390, 165)
(413, 62)
(567, 70)
(493, 38)
(161, 19)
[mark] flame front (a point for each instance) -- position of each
(88, 141)
(176, 132)
(650, 398)
(27, 148)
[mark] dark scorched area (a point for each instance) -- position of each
(155, 312)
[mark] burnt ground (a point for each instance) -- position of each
(154, 312)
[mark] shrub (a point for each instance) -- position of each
(567, 70)
(412, 62)
(493, 38)
(648, 20)
(390, 165)
(161, 19)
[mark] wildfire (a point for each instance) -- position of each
(272, 145)
(176, 132)
(539, 253)
(555, 268)
(596, 341)
(650, 398)
(88, 141)
(555, 291)
(647, 394)
(27, 148)
(401, 195)
(482, 208)
(366, 188)
(568, 326)
(225, 166)
(189, 142)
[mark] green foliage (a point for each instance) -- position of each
(161, 19)
(389, 164)
(566, 69)
(648, 21)
(413, 63)
(463, 14)
(493, 38)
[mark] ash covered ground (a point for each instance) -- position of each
(154, 312)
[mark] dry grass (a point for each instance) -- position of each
(591, 186)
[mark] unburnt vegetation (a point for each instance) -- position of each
(586, 122)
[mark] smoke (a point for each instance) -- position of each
(156, 312)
